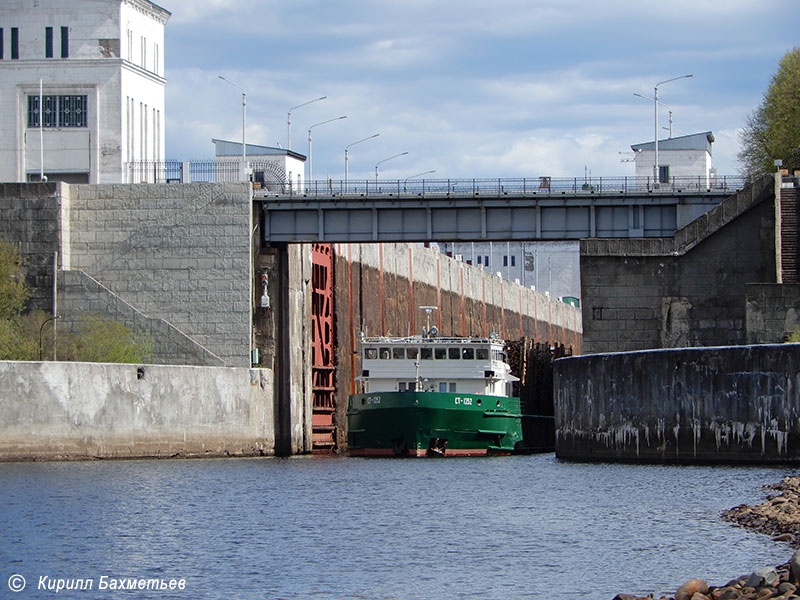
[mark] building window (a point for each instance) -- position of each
(663, 173)
(14, 43)
(486, 260)
(58, 111)
(513, 261)
(65, 42)
(479, 259)
(505, 260)
(48, 42)
(2, 43)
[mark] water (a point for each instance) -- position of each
(347, 528)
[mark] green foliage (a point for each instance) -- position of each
(794, 337)
(102, 340)
(27, 336)
(772, 130)
(13, 289)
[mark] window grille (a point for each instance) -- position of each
(58, 111)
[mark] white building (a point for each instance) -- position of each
(678, 157)
(272, 168)
(101, 68)
(550, 267)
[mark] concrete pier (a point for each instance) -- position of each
(725, 404)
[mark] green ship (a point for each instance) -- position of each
(434, 396)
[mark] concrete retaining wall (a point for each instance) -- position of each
(725, 404)
(85, 410)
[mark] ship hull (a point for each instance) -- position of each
(419, 424)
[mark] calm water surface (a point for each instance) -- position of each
(347, 528)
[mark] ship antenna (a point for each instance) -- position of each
(428, 310)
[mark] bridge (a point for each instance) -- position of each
(540, 208)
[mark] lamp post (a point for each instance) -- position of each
(405, 181)
(289, 120)
(649, 99)
(46, 321)
(655, 125)
(309, 141)
(244, 126)
(383, 161)
(346, 148)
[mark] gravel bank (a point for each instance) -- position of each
(779, 517)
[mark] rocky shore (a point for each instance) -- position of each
(779, 517)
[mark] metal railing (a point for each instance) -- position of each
(501, 187)
(230, 170)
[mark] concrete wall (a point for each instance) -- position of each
(84, 410)
(380, 287)
(736, 404)
(688, 290)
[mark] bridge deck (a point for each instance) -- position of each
(483, 210)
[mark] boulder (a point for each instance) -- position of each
(794, 565)
(762, 577)
(690, 588)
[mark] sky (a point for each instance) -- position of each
(469, 89)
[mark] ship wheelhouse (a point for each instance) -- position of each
(435, 364)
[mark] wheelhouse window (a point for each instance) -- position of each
(454, 353)
(412, 353)
(370, 353)
(481, 354)
(468, 354)
(384, 353)
(57, 111)
(439, 353)
(398, 353)
(426, 353)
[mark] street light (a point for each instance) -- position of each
(383, 161)
(309, 141)
(405, 181)
(289, 120)
(346, 148)
(46, 321)
(648, 98)
(655, 125)
(244, 125)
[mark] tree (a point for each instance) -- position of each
(23, 338)
(772, 130)
(100, 339)
(13, 289)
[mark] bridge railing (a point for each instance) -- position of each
(493, 188)
(268, 183)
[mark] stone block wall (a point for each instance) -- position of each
(688, 290)
(773, 312)
(736, 404)
(180, 253)
(29, 218)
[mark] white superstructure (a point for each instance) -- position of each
(101, 68)
(436, 364)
